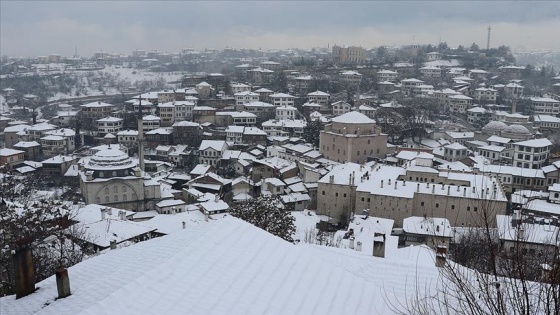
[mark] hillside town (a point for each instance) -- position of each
(379, 156)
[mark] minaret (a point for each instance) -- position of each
(140, 137)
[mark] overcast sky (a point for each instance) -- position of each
(30, 28)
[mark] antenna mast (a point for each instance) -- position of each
(488, 40)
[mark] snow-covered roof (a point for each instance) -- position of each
(203, 84)
(235, 277)
(544, 99)
(427, 226)
(538, 233)
(26, 144)
(92, 213)
(170, 203)
(8, 152)
(498, 139)
(110, 119)
(160, 131)
(455, 146)
(282, 95)
(318, 93)
(263, 90)
(200, 169)
(353, 118)
(102, 232)
(127, 133)
(97, 104)
(535, 143)
(217, 145)
(547, 118)
(110, 160)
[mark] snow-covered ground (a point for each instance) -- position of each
(127, 76)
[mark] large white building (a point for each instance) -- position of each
(281, 99)
(531, 153)
(545, 105)
(112, 178)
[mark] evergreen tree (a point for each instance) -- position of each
(312, 131)
(281, 83)
(264, 213)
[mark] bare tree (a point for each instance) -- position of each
(482, 276)
(43, 226)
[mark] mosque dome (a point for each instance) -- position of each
(110, 160)
(494, 126)
(517, 129)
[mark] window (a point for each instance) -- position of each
(116, 198)
(452, 207)
(422, 203)
(475, 209)
(106, 199)
(97, 200)
(124, 197)
(437, 205)
(106, 190)
(124, 188)
(323, 193)
(344, 195)
(115, 189)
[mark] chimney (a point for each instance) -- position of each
(103, 211)
(331, 179)
(206, 217)
(216, 198)
(545, 272)
(113, 244)
(465, 192)
(520, 233)
(379, 245)
(389, 182)
(109, 210)
(62, 283)
(359, 246)
(418, 187)
(433, 188)
(442, 187)
(448, 190)
(351, 242)
(381, 183)
(441, 255)
(184, 225)
(427, 185)
(395, 184)
(25, 273)
(404, 183)
(458, 188)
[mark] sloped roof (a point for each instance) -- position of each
(229, 267)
